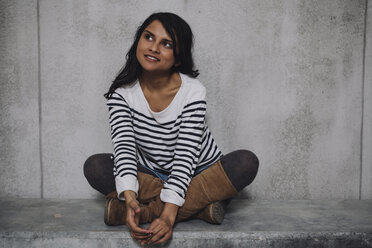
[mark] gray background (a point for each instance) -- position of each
(289, 80)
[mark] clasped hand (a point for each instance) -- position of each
(159, 231)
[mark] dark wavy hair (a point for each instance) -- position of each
(182, 38)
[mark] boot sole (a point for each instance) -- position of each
(216, 212)
(219, 211)
(107, 212)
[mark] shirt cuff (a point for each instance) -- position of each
(167, 195)
(128, 182)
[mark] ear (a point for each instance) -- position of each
(178, 63)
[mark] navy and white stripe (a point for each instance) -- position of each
(176, 147)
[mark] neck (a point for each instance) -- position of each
(156, 80)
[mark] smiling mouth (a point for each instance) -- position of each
(152, 58)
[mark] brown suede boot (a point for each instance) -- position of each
(151, 211)
(149, 189)
(115, 210)
(149, 197)
(203, 198)
(213, 213)
(210, 186)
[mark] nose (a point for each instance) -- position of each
(154, 47)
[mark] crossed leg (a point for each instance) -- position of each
(238, 168)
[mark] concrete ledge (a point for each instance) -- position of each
(79, 223)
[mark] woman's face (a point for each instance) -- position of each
(155, 49)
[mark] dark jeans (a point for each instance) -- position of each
(240, 166)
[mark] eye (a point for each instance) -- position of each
(167, 44)
(148, 37)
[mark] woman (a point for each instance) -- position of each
(166, 165)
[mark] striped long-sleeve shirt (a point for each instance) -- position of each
(174, 141)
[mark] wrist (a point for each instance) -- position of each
(170, 212)
(129, 196)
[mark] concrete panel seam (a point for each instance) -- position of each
(39, 102)
(362, 97)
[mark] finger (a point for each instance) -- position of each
(155, 225)
(133, 224)
(158, 228)
(156, 231)
(165, 238)
(158, 236)
(137, 219)
(135, 206)
(130, 216)
(140, 236)
(137, 236)
(142, 233)
(137, 229)
(155, 239)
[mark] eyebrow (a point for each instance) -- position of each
(154, 36)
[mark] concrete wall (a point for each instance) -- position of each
(367, 114)
(19, 100)
(284, 78)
